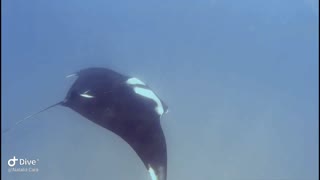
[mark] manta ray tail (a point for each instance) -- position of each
(30, 116)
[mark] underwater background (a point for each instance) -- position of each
(240, 79)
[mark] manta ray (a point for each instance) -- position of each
(125, 106)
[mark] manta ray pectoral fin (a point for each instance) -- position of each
(152, 173)
(151, 95)
(135, 81)
(139, 87)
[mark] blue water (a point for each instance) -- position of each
(240, 79)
